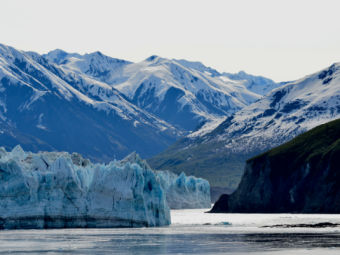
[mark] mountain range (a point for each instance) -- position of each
(105, 108)
(178, 94)
(44, 107)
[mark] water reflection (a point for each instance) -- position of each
(115, 242)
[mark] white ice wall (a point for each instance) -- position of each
(182, 192)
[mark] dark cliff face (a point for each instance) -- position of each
(301, 176)
(221, 204)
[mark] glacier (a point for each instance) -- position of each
(59, 190)
(62, 190)
(182, 192)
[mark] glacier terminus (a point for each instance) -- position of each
(62, 190)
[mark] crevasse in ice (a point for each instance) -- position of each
(59, 190)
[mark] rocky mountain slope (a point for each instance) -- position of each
(301, 176)
(45, 107)
(276, 118)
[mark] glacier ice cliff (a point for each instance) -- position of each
(59, 190)
(182, 192)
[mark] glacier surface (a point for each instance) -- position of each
(59, 190)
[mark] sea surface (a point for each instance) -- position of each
(191, 232)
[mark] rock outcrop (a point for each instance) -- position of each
(301, 176)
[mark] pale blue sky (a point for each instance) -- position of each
(282, 40)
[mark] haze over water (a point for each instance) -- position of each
(189, 233)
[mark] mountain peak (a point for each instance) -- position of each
(96, 53)
(58, 53)
(152, 58)
(57, 56)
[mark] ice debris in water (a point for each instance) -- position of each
(59, 190)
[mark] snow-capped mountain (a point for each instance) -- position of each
(264, 89)
(179, 95)
(182, 96)
(285, 112)
(95, 64)
(43, 106)
(257, 84)
(276, 118)
(58, 56)
(241, 75)
(198, 66)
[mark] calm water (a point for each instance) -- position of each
(228, 233)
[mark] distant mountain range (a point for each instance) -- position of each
(104, 107)
(218, 150)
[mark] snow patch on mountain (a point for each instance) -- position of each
(206, 127)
